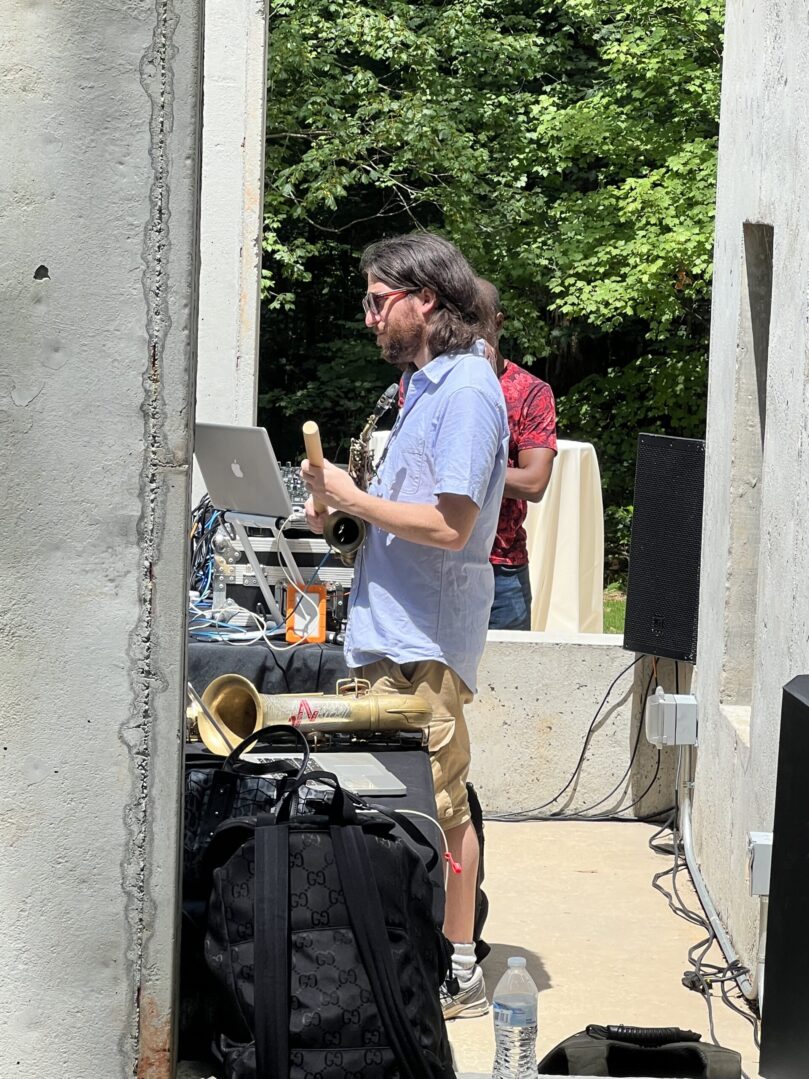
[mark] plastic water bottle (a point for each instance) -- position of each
(515, 1023)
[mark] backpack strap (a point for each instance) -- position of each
(431, 857)
(271, 949)
(370, 933)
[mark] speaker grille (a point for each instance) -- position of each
(784, 1030)
(662, 602)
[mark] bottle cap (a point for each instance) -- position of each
(517, 961)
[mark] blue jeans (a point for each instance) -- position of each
(512, 598)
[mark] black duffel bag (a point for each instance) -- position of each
(651, 1052)
(324, 938)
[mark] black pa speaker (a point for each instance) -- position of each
(662, 599)
(784, 1026)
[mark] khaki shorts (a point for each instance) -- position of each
(448, 742)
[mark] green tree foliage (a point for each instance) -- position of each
(567, 146)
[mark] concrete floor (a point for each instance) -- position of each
(601, 944)
(576, 900)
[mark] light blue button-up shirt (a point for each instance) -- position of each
(412, 602)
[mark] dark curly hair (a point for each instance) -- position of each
(423, 260)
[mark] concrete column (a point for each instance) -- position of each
(754, 581)
(232, 211)
(99, 206)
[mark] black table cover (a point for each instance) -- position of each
(307, 668)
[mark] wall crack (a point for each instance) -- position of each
(147, 1039)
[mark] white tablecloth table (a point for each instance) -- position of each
(566, 545)
(565, 534)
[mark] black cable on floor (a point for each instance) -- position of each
(703, 975)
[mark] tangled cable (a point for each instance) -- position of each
(231, 624)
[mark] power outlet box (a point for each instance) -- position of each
(671, 719)
(759, 862)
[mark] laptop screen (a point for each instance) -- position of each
(240, 470)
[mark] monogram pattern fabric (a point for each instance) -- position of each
(335, 1030)
(211, 797)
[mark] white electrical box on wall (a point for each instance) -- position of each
(671, 719)
(759, 861)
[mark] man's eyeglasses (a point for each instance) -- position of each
(374, 302)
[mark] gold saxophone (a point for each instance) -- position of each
(231, 708)
(343, 533)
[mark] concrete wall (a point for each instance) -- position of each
(754, 605)
(232, 211)
(537, 695)
(98, 214)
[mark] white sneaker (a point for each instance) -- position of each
(470, 999)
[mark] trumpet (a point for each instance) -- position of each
(343, 533)
(231, 708)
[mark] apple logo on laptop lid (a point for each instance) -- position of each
(236, 469)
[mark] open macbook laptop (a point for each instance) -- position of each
(360, 773)
(240, 471)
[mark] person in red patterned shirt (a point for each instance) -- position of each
(532, 447)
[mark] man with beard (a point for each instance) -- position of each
(423, 585)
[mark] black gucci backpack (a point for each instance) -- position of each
(324, 941)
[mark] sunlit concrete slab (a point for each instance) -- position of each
(576, 899)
